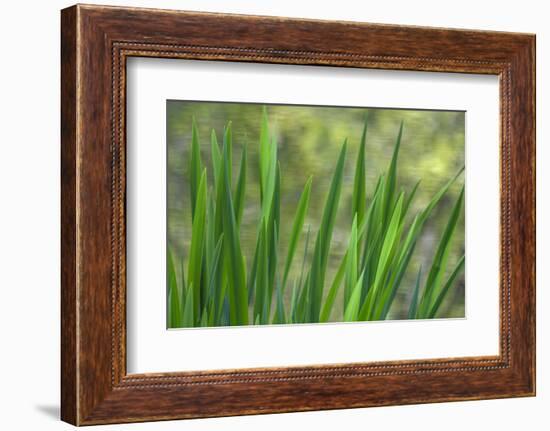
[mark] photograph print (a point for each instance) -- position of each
(290, 214)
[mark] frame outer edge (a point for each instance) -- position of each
(69, 196)
(523, 217)
(533, 55)
(527, 60)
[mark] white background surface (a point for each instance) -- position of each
(151, 348)
(29, 219)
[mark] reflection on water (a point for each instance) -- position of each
(309, 139)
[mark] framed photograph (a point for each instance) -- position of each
(266, 215)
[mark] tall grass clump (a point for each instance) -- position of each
(220, 286)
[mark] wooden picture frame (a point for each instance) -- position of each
(95, 43)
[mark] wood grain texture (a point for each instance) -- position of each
(68, 217)
(96, 41)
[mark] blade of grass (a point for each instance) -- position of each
(293, 300)
(265, 152)
(397, 268)
(410, 198)
(261, 275)
(214, 268)
(337, 281)
(414, 300)
(408, 246)
(195, 167)
(270, 181)
(273, 233)
(359, 197)
(443, 293)
(228, 152)
(333, 291)
(216, 156)
(234, 260)
(352, 308)
(183, 289)
(375, 235)
(351, 263)
(437, 197)
(251, 287)
(439, 264)
(331, 205)
(389, 191)
(297, 226)
(174, 316)
(188, 318)
(397, 272)
(279, 317)
(389, 245)
(197, 245)
(421, 218)
(306, 249)
(324, 237)
(222, 302)
(303, 308)
(221, 315)
(382, 210)
(241, 185)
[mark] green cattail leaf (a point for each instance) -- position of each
(352, 308)
(443, 293)
(262, 276)
(188, 318)
(303, 310)
(270, 181)
(228, 149)
(265, 271)
(388, 295)
(195, 167)
(324, 238)
(216, 156)
(265, 152)
(414, 300)
(306, 249)
(273, 233)
(196, 253)
(410, 198)
(297, 227)
(280, 317)
(439, 264)
(351, 264)
(234, 260)
(174, 305)
(293, 300)
(253, 271)
(392, 174)
(437, 197)
(241, 185)
(215, 266)
(389, 244)
(359, 198)
(333, 291)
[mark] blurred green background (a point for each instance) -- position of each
(309, 139)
